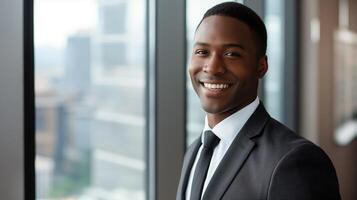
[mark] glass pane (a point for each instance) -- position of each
(195, 114)
(274, 16)
(90, 99)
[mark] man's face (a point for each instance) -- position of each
(225, 66)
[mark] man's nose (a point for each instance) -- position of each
(214, 65)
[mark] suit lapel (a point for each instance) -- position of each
(237, 153)
(186, 168)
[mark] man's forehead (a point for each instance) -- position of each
(228, 40)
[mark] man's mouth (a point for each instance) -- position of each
(215, 86)
(215, 89)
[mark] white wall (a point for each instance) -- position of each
(11, 100)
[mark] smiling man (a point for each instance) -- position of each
(243, 153)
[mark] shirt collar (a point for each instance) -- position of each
(229, 128)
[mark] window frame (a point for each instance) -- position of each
(165, 83)
(29, 101)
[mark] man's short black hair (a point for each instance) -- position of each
(245, 15)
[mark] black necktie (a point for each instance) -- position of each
(209, 143)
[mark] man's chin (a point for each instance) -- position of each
(212, 109)
(215, 109)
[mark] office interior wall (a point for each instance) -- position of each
(11, 100)
(319, 21)
(308, 70)
(352, 6)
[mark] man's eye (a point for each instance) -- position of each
(233, 54)
(201, 52)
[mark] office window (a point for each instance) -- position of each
(90, 99)
(274, 79)
(111, 16)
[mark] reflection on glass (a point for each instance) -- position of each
(89, 85)
(274, 15)
(195, 114)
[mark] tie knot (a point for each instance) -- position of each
(210, 140)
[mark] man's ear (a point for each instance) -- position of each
(262, 66)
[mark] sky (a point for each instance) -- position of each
(54, 20)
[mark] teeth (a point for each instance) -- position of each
(215, 86)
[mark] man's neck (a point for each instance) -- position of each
(215, 118)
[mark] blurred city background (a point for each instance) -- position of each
(91, 92)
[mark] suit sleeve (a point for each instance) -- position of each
(304, 173)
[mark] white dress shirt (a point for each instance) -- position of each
(226, 130)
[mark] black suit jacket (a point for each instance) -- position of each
(267, 161)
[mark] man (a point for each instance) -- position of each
(244, 154)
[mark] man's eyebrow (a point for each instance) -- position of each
(234, 45)
(200, 44)
(224, 45)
